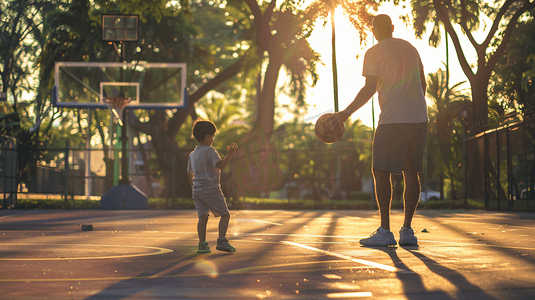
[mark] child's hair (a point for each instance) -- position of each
(201, 128)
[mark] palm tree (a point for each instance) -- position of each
(447, 104)
(360, 18)
(279, 32)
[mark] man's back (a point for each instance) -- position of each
(397, 65)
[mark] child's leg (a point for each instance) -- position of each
(223, 226)
(201, 228)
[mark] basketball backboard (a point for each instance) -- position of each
(148, 85)
(120, 28)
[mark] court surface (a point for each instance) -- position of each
(280, 255)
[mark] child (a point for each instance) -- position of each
(204, 170)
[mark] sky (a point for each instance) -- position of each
(320, 98)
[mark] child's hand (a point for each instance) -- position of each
(231, 150)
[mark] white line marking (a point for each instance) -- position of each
(256, 220)
(350, 295)
(306, 235)
(160, 251)
(267, 222)
(360, 261)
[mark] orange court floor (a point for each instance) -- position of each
(310, 254)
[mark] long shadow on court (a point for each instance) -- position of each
(483, 240)
(170, 278)
(413, 284)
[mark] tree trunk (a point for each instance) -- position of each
(163, 131)
(480, 105)
(255, 165)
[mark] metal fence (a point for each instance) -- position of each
(8, 172)
(79, 173)
(501, 167)
(500, 171)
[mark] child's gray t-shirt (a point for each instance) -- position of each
(201, 163)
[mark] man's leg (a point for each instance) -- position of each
(411, 195)
(201, 228)
(383, 193)
(223, 226)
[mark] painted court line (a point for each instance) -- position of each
(267, 222)
(303, 235)
(346, 257)
(349, 295)
(256, 220)
(159, 249)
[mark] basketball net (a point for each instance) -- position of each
(117, 105)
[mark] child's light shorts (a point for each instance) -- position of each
(210, 200)
(399, 147)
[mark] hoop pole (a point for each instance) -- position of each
(124, 138)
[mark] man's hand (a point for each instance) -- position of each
(342, 116)
(335, 122)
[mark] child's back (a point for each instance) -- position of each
(202, 162)
(204, 169)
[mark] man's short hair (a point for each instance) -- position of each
(201, 128)
(382, 24)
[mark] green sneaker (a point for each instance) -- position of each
(203, 248)
(223, 245)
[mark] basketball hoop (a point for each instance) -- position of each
(117, 105)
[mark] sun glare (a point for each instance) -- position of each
(349, 59)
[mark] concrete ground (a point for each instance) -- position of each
(280, 255)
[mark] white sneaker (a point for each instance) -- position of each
(380, 237)
(407, 237)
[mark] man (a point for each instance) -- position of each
(394, 70)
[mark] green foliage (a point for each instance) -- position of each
(303, 158)
(22, 26)
(464, 13)
(512, 83)
(9, 123)
(445, 129)
(29, 152)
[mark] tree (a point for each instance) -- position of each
(169, 32)
(464, 17)
(512, 80)
(207, 46)
(24, 26)
(356, 155)
(278, 42)
(359, 15)
(445, 132)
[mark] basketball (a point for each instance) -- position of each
(327, 130)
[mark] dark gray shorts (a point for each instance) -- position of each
(210, 200)
(399, 147)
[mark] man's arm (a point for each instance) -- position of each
(362, 98)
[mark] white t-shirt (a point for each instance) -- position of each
(201, 163)
(397, 65)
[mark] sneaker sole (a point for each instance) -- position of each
(204, 251)
(408, 244)
(226, 249)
